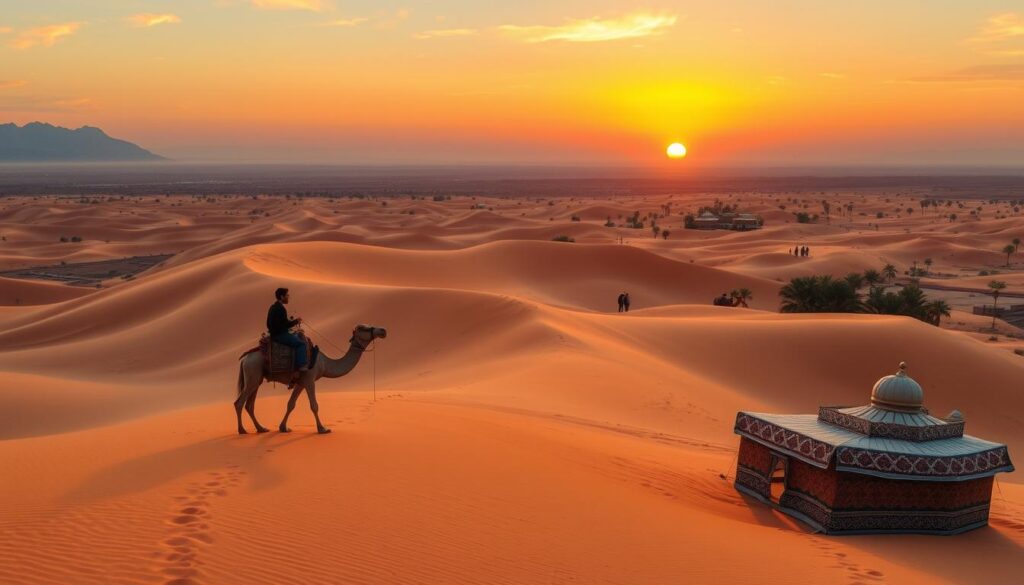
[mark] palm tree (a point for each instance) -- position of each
(1009, 249)
(883, 303)
(819, 294)
(889, 272)
(936, 310)
(799, 296)
(742, 295)
(928, 263)
(913, 302)
(996, 286)
(872, 277)
(855, 279)
(1016, 244)
(910, 301)
(838, 296)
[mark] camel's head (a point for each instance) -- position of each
(363, 335)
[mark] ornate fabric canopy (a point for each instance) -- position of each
(893, 437)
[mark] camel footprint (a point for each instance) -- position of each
(188, 524)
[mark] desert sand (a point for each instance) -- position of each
(512, 428)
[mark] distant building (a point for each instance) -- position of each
(728, 220)
(886, 467)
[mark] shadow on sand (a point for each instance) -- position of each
(995, 557)
(143, 473)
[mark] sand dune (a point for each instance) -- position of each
(497, 304)
(31, 292)
(523, 431)
(573, 275)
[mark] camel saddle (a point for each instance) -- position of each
(278, 358)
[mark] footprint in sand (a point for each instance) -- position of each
(860, 576)
(189, 528)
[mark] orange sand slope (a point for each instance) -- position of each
(522, 432)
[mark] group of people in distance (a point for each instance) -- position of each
(624, 302)
(800, 251)
(727, 301)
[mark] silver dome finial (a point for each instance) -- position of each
(898, 392)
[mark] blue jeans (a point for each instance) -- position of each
(293, 341)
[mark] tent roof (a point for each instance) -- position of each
(818, 443)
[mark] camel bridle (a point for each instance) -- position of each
(357, 343)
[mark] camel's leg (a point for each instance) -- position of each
(311, 392)
(283, 427)
(250, 407)
(239, 403)
(250, 384)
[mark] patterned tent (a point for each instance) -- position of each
(886, 467)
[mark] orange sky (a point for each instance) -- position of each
(794, 83)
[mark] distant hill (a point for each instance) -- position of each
(40, 142)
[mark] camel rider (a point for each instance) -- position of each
(278, 324)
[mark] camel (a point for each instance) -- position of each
(251, 374)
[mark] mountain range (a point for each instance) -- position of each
(41, 142)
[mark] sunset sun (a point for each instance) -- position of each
(676, 150)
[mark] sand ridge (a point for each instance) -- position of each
(523, 430)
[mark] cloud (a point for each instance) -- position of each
(12, 83)
(594, 29)
(447, 32)
(310, 5)
(1001, 27)
(37, 103)
(831, 75)
(344, 22)
(73, 104)
(5, 29)
(1002, 34)
(45, 36)
(147, 20)
(1005, 72)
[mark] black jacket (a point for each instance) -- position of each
(278, 321)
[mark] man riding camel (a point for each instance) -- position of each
(279, 326)
(255, 366)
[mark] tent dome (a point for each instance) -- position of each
(898, 392)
